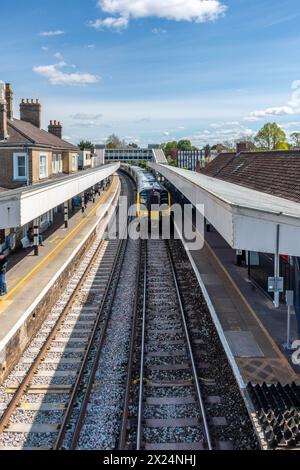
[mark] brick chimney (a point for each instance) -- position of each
(31, 111)
(3, 114)
(55, 128)
(9, 94)
(242, 147)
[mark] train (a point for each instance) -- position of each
(149, 193)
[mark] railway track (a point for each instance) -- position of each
(178, 403)
(57, 370)
(129, 359)
(55, 375)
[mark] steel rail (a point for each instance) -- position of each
(141, 388)
(124, 423)
(51, 337)
(79, 380)
(190, 350)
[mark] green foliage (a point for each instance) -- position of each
(114, 142)
(295, 137)
(86, 145)
(171, 161)
(207, 151)
(168, 147)
(270, 137)
(282, 146)
(184, 145)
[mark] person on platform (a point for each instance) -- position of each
(3, 269)
(30, 235)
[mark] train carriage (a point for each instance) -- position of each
(153, 199)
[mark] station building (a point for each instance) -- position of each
(190, 159)
(31, 157)
(28, 153)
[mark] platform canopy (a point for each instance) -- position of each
(245, 218)
(21, 206)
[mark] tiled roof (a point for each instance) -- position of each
(276, 173)
(21, 132)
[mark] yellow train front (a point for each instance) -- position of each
(153, 200)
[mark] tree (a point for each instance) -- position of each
(207, 152)
(114, 142)
(169, 147)
(270, 137)
(86, 145)
(295, 137)
(184, 145)
(283, 146)
(171, 161)
(133, 145)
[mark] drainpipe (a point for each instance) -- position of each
(27, 165)
(297, 290)
(277, 266)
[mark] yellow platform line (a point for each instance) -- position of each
(83, 221)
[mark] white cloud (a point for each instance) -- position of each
(52, 33)
(178, 10)
(290, 125)
(44, 48)
(59, 56)
(56, 76)
(251, 119)
(290, 109)
(218, 125)
(115, 24)
(91, 46)
(87, 124)
(159, 31)
(221, 135)
(275, 111)
(86, 116)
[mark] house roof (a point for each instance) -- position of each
(21, 132)
(276, 173)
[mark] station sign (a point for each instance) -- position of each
(275, 284)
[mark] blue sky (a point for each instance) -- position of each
(155, 70)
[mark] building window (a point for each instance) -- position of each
(43, 166)
(74, 163)
(54, 164)
(20, 166)
(60, 167)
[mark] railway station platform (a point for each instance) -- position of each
(34, 282)
(252, 330)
